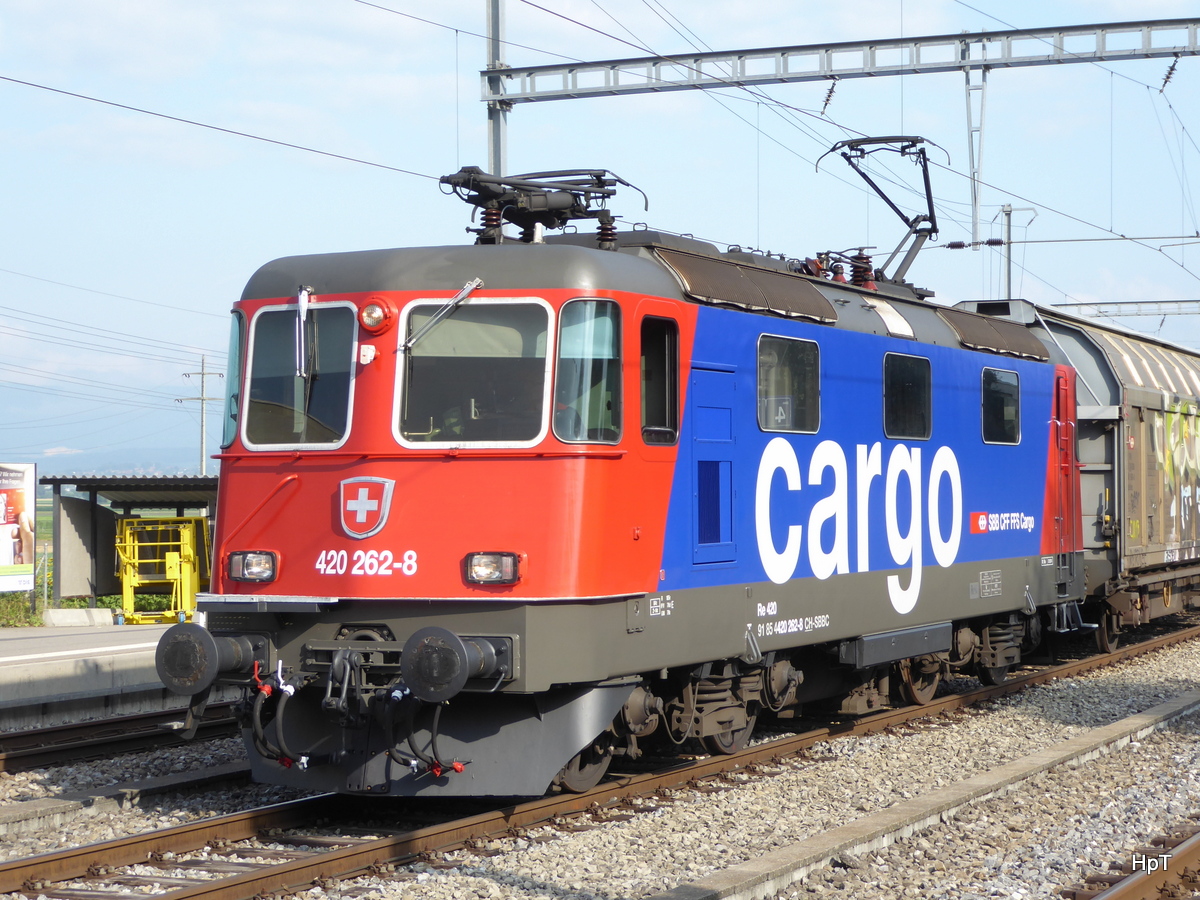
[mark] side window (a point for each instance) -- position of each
(587, 384)
(1001, 408)
(233, 379)
(789, 388)
(907, 397)
(660, 381)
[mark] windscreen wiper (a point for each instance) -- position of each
(303, 294)
(445, 310)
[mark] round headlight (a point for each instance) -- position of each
(374, 316)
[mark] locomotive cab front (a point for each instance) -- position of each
(425, 496)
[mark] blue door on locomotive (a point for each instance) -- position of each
(849, 489)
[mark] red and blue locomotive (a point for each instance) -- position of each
(492, 515)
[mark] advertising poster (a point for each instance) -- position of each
(18, 518)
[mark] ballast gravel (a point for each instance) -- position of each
(154, 813)
(1046, 834)
(44, 783)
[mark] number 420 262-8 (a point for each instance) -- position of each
(366, 562)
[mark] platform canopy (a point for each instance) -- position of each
(85, 531)
(143, 492)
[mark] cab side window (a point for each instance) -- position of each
(1001, 408)
(789, 394)
(587, 386)
(660, 381)
(907, 397)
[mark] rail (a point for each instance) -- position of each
(21, 751)
(340, 857)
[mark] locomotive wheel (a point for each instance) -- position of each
(993, 675)
(726, 742)
(919, 679)
(1108, 635)
(586, 767)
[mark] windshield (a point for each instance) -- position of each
(286, 408)
(479, 375)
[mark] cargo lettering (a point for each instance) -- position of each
(828, 527)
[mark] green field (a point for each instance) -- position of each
(45, 519)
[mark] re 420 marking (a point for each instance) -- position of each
(366, 562)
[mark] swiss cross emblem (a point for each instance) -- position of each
(364, 503)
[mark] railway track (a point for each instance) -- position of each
(1166, 866)
(101, 738)
(273, 850)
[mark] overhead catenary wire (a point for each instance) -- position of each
(465, 31)
(775, 102)
(53, 421)
(99, 333)
(91, 382)
(62, 341)
(695, 38)
(91, 398)
(77, 287)
(753, 91)
(996, 242)
(127, 420)
(1176, 165)
(1160, 90)
(1073, 218)
(756, 95)
(784, 111)
(218, 128)
(120, 443)
(775, 105)
(781, 109)
(130, 347)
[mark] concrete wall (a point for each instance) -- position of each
(73, 557)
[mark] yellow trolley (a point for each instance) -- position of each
(166, 552)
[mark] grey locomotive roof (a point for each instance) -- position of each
(509, 266)
(650, 263)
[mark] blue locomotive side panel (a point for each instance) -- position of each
(830, 493)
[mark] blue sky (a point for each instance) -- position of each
(125, 237)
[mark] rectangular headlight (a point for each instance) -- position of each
(252, 565)
(492, 568)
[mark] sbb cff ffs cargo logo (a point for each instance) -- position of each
(986, 523)
(365, 502)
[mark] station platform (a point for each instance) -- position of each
(53, 676)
